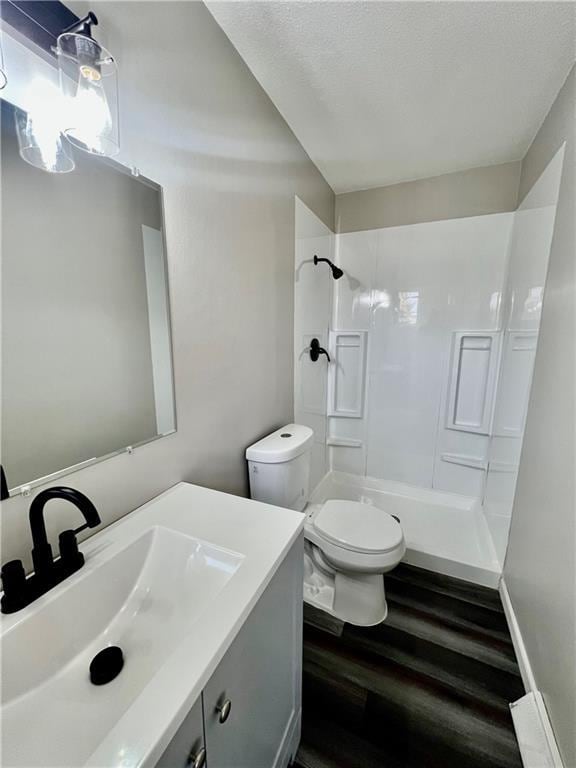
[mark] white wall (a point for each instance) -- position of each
(411, 287)
(539, 569)
(195, 120)
(312, 306)
(522, 305)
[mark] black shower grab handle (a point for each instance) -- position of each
(316, 350)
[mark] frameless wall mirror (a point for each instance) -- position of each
(86, 347)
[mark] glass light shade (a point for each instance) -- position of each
(89, 83)
(3, 78)
(41, 143)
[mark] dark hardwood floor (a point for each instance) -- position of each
(428, 688)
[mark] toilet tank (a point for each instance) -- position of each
(279, 467)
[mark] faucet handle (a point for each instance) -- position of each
(14, 583)
(12, 574)
(70, 556)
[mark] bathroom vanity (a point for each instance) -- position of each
(202, 591)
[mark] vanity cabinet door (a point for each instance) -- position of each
(252, 702)
(186, 750)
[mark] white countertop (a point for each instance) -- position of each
(261, 533)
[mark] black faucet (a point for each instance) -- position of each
(20, 591)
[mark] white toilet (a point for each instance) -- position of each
(349, 545)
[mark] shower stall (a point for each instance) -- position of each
(431, 333)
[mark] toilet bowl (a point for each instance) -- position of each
(348, 545)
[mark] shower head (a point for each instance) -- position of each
(336, 271)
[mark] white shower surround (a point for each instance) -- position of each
(412, 288)
(522, 307)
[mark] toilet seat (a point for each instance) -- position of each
(358, 527)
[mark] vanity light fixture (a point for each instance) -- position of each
(89, 83)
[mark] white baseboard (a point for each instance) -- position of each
(534, 732)
(517, 640)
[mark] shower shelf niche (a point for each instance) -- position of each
(346, 376)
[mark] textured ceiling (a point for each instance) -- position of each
(381, 92)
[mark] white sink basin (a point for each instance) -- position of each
(145, 598)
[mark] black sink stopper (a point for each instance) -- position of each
(106, 665)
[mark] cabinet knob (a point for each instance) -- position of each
(197, 759)
(224, 710)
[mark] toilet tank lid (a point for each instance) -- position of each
(284, 444)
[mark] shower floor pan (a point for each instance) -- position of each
(444, 532)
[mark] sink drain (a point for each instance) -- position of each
(106, 665)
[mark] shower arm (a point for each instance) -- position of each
(336, 271)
